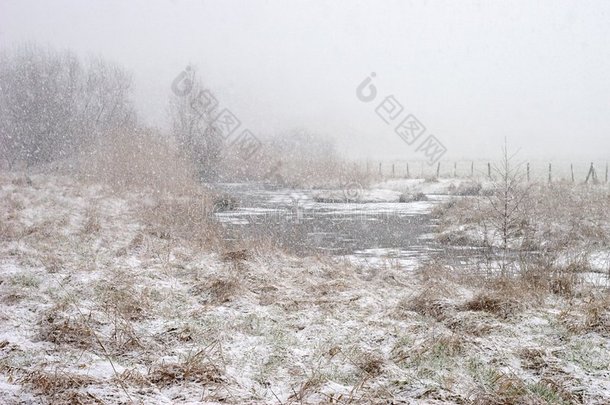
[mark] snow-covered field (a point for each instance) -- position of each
(102, 301)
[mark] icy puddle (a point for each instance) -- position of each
(369, 231)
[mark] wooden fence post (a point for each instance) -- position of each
(550, 174)
(489, 170)
(408, 174)
(438, 170)
(393, 172)
(591, 175)
(528, 172)
(380, 168)
(572, 171)
(471, 169)
(454, 169)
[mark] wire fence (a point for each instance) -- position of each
(534, 170)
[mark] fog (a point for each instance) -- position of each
(472, 72)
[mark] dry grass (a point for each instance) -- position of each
(139, 160)
(371, 364)
(506, 388)
(60, 329)
(119, 296)
(533, 359)
(187, 218)
(597, 315)
(219, 290)
(500, 306)
(471, 323)
(174, 204)
(236, 256)
(195, 368)
(430, 350)
(552, 219)
(52, 262)
(10, 208)
(56, 383)
(92, 224)
(145, 295)
(428, 303)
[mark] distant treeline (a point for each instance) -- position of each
(52, 103)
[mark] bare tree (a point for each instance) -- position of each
(50, 105)
(192, 118)
(105, 105)
(507, 201)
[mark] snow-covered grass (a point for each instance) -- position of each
(568, 223)
(117, 297)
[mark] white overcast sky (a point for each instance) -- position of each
(474, 72)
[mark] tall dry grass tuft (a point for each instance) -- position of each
(187, 218)
(138, 160)
(57, 384)
(501, 306)
(203, 367)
